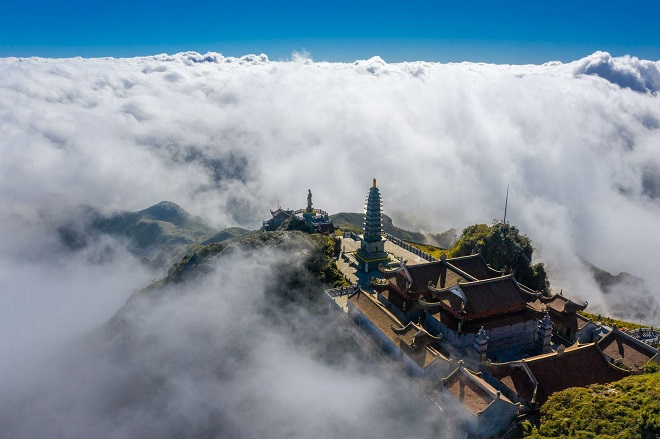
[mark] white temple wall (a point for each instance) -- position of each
(412, 368)
(591, 331)
(517, 335)
(496, 417)
(440, 368)
(376, 334)
(435, 327)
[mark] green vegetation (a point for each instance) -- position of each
(621, 324)
(434, 251)
(320, 252)
(159, 234)
(629, 408)
(227, 234)
(322, 262)
(293, 223)
(504, 248)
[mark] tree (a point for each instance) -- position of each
(504, 248)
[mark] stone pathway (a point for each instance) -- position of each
(350, 270)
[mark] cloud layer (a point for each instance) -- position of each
(215, 357)
(229, 138)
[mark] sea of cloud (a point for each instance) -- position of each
(215, 357)
(228, 138)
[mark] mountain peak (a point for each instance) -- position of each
(166, 211)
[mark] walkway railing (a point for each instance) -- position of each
(338, 292)
(318, 211)
(650, 336)
(411, 248)
(352, 235)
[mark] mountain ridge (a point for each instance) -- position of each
(159, 235)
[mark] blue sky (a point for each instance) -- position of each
(490, 31)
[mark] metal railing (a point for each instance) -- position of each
(650, 336)
(411, 248)
(317, 211)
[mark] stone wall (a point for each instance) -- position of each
(497, 417)
(519, 335)
(378, 336)
(433, 326)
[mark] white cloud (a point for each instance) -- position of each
(627, 71)
(226, 138)
(204, 359)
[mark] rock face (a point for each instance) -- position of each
(628, 297)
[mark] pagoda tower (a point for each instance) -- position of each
(372, 247)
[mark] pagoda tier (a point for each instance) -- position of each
(372, 248)
(373, 207)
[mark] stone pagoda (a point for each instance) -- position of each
(372, 247)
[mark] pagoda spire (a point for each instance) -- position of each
(373, 208)
(372, 249)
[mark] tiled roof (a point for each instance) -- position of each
(422, 274)
(470, 394)
(471, 390)
(515, 378)
(561, 304)
(474, 265)
(582, 322)
(416, 336)
(622, 347)
(387, 323)
(562, 311)
(281, 214)
(491, 296)
(489, 322)
(577, 366)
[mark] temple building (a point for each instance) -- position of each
(564, 315)
(459, 302)
(626, 351)
(490, 347)
(531, 381)
(278, 217)
(410, 344)
(309, 219)
(372, 247)
(480, 409)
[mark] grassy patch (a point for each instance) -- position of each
(621, 324)
(434, 251)
(629, 408)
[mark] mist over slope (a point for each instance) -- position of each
(238, 350)
(159, 235)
